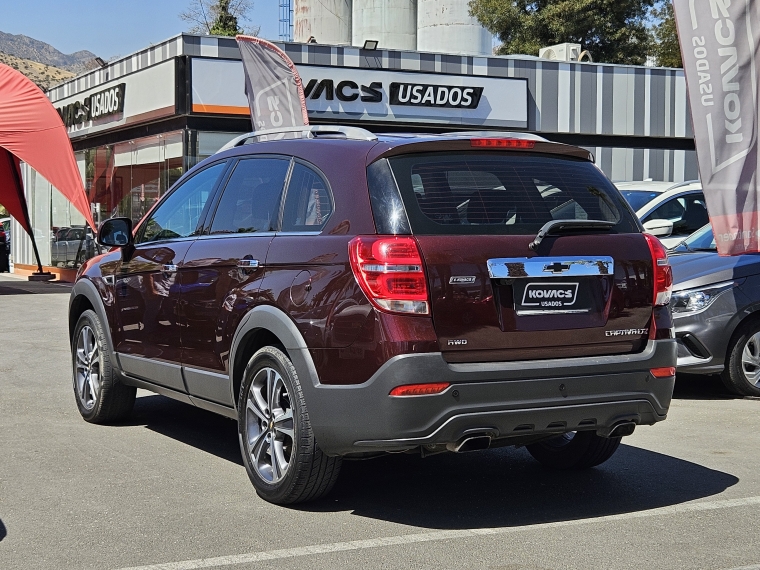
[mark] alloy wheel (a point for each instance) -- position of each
(87, 375)
(269, 425)
(751, 360)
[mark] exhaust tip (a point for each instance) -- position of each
(623, 429)
(471, 443)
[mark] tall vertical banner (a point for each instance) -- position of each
(720, 48)
(273, 86)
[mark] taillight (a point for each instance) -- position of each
(502, 143)
(390, 272)
(663, 273)
(420, 389)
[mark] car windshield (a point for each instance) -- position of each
(701, 240)
(639, 198)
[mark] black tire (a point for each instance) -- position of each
(578, 450)
(737, 375)
(105, 400)
(309, 473)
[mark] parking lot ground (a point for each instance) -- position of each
(167, 490)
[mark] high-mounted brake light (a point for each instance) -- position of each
(420, 389)
(663, 273)
(502, 143)
(665, 372)
(390, 272)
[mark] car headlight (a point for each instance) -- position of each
(692, 301)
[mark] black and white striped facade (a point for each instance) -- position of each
(635, 119)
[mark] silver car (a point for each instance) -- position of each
(669, 211)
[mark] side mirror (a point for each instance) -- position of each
(116, 232)
(659, 228)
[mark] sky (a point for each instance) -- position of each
(111, 28)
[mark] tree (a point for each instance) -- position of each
(667, 51)
(219, 17)
(613, 31)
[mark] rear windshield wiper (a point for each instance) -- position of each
(556, 226)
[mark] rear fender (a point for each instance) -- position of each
(272, 319)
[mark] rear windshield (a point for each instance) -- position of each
(484, 193)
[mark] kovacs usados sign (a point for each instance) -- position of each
(102, 104)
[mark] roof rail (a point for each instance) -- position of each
(305, 132)
(684, 183)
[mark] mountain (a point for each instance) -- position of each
(43, 75)
(28, 48)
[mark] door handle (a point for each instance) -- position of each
(169, 268)
(248, 264)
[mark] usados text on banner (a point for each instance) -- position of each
(719, 42)
(273, 86)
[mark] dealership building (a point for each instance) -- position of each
(139, 122)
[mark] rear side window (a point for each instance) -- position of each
(251, 200)
(308, 203)
(478, 193)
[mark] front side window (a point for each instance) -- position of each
(688, 213)
(308, 204)
(251, 200)
(178, 215)
(476, 193)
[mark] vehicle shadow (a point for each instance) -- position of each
(701, 387)
(506, 487)
(201, 429)
(3, 531)
(495, 488)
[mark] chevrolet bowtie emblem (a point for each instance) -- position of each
(556, 267)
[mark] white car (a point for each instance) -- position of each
(670, 211)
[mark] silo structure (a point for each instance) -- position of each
(445, 26)
(393, 23)
(327, 21)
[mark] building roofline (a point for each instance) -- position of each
(223, 47)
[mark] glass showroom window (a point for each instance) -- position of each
(126, 179)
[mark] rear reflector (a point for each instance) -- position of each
(665, 372)
(663, 273)
(502, 143)
(390, 272)
(420, 389)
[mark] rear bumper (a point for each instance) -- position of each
(507, 399)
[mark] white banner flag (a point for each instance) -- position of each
(719, 43)
(274, 88)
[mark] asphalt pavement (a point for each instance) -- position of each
(167, 489)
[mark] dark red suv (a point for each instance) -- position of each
(343, 295)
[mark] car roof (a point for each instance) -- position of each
(657, 186)
(377, 146)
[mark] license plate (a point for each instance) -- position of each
(539, 297)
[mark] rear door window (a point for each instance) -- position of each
(308, 203)
(476, 193)
(251, 200)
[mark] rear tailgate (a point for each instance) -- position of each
(580, 292)
(493, 299)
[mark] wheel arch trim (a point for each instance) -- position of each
(85, 288)
(278, 323)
